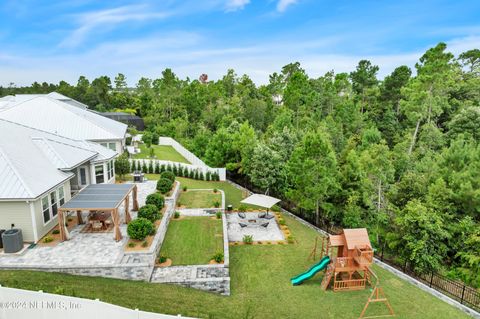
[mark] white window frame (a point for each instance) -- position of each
(61, 197)
(112, 146)
(50, 203)
(46, 209)
(97, 174)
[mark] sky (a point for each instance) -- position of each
(49, 40)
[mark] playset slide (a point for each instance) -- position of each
(322, 264)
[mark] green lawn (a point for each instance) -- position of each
(260, 283)
(199, 199)
(162, 152)
(233, 195)
(193, 240)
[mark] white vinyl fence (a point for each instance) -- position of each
(25, 304)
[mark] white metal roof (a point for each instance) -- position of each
(33, 161)
(59, 116)
(260, 200)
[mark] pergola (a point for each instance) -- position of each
(100, 197)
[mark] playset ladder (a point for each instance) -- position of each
(327, 277)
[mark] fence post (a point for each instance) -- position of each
(431, 280)
(463, 294)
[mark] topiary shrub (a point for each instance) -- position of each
(156, 199)
(216, 204)
(168, 175)
(218, 257)
(176, 215)
(164, 185)
(162, 259)
(149, 212)
(219, 215)
(140, 228)
(248, 239)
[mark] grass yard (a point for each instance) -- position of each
(199, 199)
(162, 152)
(193, 240)
(260, 283)
(233, 195)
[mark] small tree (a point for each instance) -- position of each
(140, 228)
(152, 152)
(122, 166)
(147, 138)
(195, 175)
(162, 169)
(190, 174)
(208, 176)
(169, 168)
(200, 176)
(164, 185)
(144, 167)
(175, 170)
(150, 167)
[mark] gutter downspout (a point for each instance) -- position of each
(34, 222)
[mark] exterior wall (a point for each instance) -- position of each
(93, 179)
(17, 213)
(119, 144)
(44, 228)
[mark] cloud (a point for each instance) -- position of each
(283, 4)
(234, 5)
(102, 20)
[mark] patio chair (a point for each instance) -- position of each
(242, 215)
(97, 225)
(108, 223)
(243, 225)
(262, 215)
(265, 224)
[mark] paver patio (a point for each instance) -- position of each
(82, 248)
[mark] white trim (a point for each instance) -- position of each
(34, 221)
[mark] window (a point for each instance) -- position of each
(83, 176)
(53, 200)
(104, 144)
(110, 170)
(99, 174)
(61, 196)
(45, 209)
(112, 146)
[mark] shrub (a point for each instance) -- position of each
(216, 204)
(218, 257)
(47, 239)
(145, 243)
(149, 212)
(248, 239)
(219, 215)
(164, 185)
(179, 204)
(191, 174)
(208, 176)
(162, 168)
(201, 176)
(131, 244)
(56, 231)
(168, 175)
(156, 199)
(242, 208)
(184, 188)
(176, 215)
(162, 259)
(291, 239)
(175, 170)
(281, 221)
(122, 166)
(140, 228)
(215, 190)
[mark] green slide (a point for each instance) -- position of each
(322, 264)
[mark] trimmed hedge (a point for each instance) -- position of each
(156, 199)
(164, 185)
(140, 228)
(150, 212)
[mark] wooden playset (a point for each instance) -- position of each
(350, 261)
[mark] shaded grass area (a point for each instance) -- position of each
(261, 289)
(193, 240)
(199, 199)
(162, 152)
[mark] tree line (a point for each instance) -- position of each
(399, 156)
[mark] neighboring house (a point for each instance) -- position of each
(66, 117)
(40, 170)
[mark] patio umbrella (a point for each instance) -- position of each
(261, 200)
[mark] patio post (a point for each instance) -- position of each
(61, 225)
(116, 223)
(128, 218)
(79, 217)
(135, 201)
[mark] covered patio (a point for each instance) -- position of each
(106, 198)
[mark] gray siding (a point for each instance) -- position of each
(17, 213)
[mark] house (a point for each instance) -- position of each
(58, 114)
(40, 170)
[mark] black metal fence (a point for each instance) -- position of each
(466, 295)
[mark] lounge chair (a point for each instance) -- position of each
(262, 215)
(242, 215)
(243, 225)
(265, 224)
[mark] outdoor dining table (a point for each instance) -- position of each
(101, 217)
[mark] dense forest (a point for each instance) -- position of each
(400, 156)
